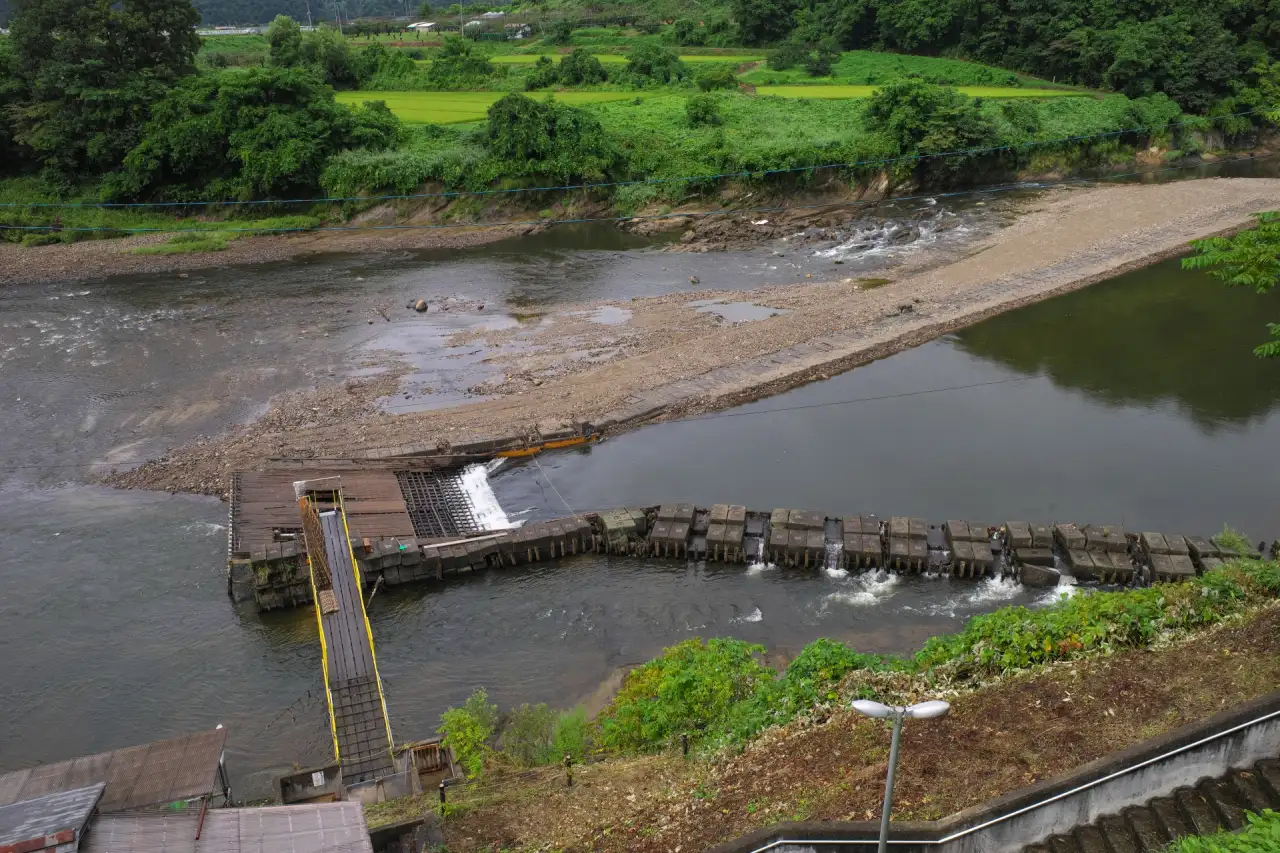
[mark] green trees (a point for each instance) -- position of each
(763, 21)
(284, 38)
(702, 110)
(917, 117)
(652, 63)
(91, 72)
(691, 688)
(1249, 259)
(580, 67)
(549, 139)
(459, 65)
(245, 133)
(468, 730)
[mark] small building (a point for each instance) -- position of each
(55, 823)
(316, 828)
(184, 772)
(493, 16)
(424, 26)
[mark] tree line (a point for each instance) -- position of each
(1198, 53)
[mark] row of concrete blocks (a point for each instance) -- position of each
(1111, 554)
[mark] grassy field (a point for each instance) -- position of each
(847, 92)
(458, 107)
(609, 58)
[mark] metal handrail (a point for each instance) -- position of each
(1004, 817)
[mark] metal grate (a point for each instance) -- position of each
(314, 535)
(438, 505)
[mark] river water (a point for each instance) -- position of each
(1135, 401)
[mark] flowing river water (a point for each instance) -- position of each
(1134, 401)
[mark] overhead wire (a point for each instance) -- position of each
(745, 173)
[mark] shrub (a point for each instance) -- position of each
(652, 63)
(702, 110)
(919, 118)
(246, 133)
(543, 74)
(720, 77)
(580, 67)
(459, 65)
(689, 32)
(527, 736)
(788, 55)
(560, 32)
(823, 58)
(1260, 835)
(468, 730)
(549, 139)
(687, 690)
(571, 735)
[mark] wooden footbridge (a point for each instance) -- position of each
(362, 743)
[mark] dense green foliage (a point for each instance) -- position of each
(1197, 53)
(687, 690)
(579, 68)
(1260, 835)
(702, 110)
(468, 731)
(245, 133)
(88, 74)
(526, 736)
(549, 138)
(718, 691)
(460, 66)
(653, 64)
(918, 117)
(1249, 259)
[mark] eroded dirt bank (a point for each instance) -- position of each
(662, 357)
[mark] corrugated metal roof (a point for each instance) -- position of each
(312, 828)
(166, 771)
(48, 815)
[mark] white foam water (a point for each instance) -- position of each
(488, 513)
(866, 589)
(754, 616)
(759, 567)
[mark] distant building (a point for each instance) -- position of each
(424, 26)
(492, 16)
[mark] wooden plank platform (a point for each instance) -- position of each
(264, 503)
(359, 718)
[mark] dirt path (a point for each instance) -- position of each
(668, 360)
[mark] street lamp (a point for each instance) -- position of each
(919, 711)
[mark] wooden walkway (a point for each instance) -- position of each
(357, 708)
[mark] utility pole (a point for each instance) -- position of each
(309, 24)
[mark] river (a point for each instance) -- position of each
(1135, 401)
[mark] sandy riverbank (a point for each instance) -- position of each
(666, 359)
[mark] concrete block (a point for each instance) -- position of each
(1041, 536)
(780, 518)
(719, 513)
(1019, 534)
(1038, 576)
(1177, 544)
(1034, 556)
(715, 533)
(737, 514)
(1153, 543)
(1106, 537)
(957, 531)
(1200, 548)
(1068, 537)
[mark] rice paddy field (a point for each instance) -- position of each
(611, 58)
(459, 107)
(837, 92)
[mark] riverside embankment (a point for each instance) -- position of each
(621, 363)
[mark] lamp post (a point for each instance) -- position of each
(919, 711)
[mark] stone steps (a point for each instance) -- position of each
(1207, 807)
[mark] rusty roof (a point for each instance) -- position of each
(314, 828)
(53, 814)
(153, 774)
